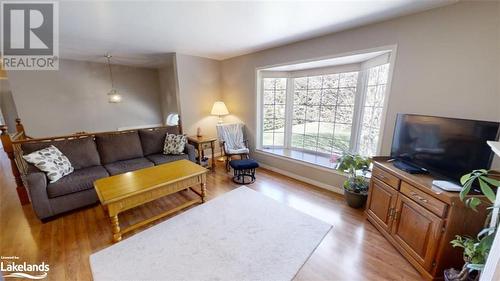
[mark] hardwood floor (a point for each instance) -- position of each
(352, 250)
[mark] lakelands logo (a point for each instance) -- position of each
(15, 269)
(30, 35)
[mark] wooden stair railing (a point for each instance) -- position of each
(10, 150)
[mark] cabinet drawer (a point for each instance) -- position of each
(424, 199)
(206, 146)
(386, 177)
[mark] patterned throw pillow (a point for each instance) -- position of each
(174, 144)
(51, 161)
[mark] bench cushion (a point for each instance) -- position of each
(81, 152)
(159, 159)
(152, 140)
(119, 146)
(238, 151)
(124, 166)
(243, 164)
(77, 181)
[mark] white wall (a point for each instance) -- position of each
(199, 88)
(447, 64)
(74, 98)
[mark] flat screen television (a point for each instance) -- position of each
(446, 147)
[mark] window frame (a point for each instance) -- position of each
(260, 108)
(362, 104)
(360, 96)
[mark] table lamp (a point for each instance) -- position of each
(219, 109)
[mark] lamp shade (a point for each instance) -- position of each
(219, 109)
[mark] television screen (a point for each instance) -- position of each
(446, 147)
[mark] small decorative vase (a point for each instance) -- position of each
(198, 132)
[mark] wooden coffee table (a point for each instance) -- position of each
(126, 191)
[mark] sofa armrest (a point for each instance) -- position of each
(191, 152)
(37, 187)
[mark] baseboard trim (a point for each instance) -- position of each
(303, 179)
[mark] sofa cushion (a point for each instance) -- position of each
(79, 180)
(162, 158)
(118, 146)
(51, 161)
(152, 140)
(124, 166)
(174, 144)
(81, 152)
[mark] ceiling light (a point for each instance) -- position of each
(113, 95)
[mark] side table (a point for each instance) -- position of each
(202, 143)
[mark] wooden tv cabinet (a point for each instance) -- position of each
(418, 219)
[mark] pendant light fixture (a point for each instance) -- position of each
(113, 95)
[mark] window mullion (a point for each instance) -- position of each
(289, 112)
(359, 100)
(319, 112)
(274, 113)
(261, 112)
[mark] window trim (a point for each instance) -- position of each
(262, 151)
(260, 73)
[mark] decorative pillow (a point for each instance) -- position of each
(174, 144)
(51, 161)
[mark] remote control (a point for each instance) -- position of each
(447, 185)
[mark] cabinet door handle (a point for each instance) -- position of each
(391, 213)
(396, 215)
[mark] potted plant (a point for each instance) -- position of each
(475, 249)
(356, 184)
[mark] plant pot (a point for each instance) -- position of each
(450, 274)
(355, 200)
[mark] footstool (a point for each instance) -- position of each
(243, 168)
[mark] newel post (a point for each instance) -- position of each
(9, 150)
(179, 123)
(20, 127)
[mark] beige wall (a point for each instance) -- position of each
(199, 88)
(74, 98)
(447, 64)
(8, 109)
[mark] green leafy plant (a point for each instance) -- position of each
(350, 163)
(487, 184)
(476, 249)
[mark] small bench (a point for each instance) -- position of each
(244, 168)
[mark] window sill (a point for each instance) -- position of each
(303, 158)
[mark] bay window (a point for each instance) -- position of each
(323, 112)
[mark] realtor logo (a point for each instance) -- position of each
(13, 268)
(30, 35)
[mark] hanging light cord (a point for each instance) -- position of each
(108, 56)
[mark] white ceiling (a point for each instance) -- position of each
(143, 32)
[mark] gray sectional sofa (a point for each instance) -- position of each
(94, 157)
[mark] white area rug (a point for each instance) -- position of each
(241, 235)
